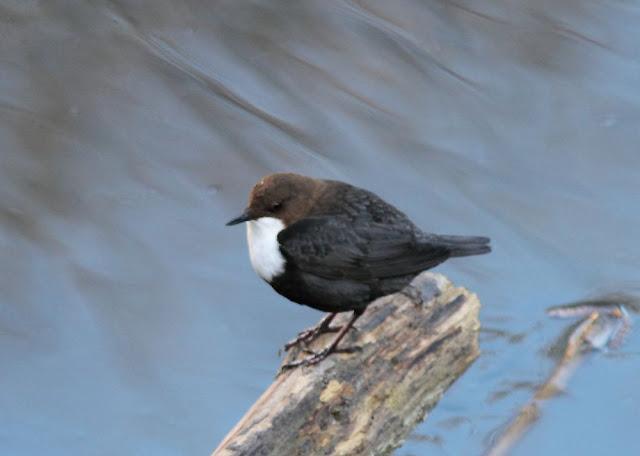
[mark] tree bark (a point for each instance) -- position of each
(412, 347)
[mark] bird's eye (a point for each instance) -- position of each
(276, 206)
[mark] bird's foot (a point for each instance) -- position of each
(315, 358)
(310, 334)
(413, 294)
(352, 349)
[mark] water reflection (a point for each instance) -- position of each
(604, 324)
(130, 319)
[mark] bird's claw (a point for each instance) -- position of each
(413, 294)
(301, 337)
(308, 335)
(315, 358)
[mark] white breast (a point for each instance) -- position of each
(264, 251)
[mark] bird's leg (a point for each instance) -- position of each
(309, 334)
(319, 356)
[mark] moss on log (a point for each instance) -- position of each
(413, 346)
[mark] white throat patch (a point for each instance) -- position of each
(264, 251)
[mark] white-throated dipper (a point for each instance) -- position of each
(335, 247)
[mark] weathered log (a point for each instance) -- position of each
(413, 346)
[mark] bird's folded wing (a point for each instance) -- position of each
(337, 248)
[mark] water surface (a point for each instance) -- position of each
(130, 319)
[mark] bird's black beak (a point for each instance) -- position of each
(244, 217)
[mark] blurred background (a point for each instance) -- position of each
(130, 319)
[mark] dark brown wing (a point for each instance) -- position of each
(338, 248)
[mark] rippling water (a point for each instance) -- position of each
(130, 320)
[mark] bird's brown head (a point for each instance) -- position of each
(285, 196)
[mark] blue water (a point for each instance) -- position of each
(130, 319)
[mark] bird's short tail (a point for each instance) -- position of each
(461, 246)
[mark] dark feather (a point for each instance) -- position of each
(460, 246)
(342, 248)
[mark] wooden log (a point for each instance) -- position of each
(413, 346)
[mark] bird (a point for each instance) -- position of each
(336, 248)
